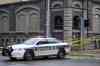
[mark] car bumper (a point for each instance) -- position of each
(18, 54)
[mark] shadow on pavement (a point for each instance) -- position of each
(36, 59)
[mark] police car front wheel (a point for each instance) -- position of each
(28, 56)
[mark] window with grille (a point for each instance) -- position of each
(76, 22)
(58, 23)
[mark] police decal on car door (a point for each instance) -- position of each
(43, 48)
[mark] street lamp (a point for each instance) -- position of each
(48, 34)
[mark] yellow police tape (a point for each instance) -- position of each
(85, 40)
(80, 44)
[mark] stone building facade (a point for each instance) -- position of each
(22, 19)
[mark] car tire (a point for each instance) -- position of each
(61, 55)
(45, 57)
(28, 56)
(11, 58)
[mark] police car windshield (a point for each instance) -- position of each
(30, 41)
(35, 40)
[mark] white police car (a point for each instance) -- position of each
(37, 47)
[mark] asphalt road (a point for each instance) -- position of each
(4, 61)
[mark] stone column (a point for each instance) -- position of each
(68, 21)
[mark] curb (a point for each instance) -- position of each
(74, 57)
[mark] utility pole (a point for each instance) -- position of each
(87, 18)
(87, 23)
(48, 34)
(82, 25)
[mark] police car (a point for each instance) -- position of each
(33, 47)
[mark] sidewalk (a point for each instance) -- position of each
(90, 54)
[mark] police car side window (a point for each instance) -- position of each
(42, 42)
(52, 41)
(47, 42)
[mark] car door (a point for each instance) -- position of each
(46, 47)
(42, 47)
(53, 46)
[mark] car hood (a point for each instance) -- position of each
(21, 46)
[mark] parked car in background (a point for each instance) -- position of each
(37, 47)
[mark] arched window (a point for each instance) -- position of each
(77, 4)
(4, 22)
(97, 23)
(57, 4)
(76, 22)
(86, 23)
(58, 23)
(28, 19)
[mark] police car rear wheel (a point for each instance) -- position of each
(28, 56)
(61, 55)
